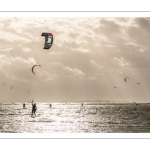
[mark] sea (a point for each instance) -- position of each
(75, 118)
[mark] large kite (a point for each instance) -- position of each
(48, 40)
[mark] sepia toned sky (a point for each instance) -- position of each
(89, 57)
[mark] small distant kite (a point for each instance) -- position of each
(125, 79)
(4, 83)
(138, 83)
(33, 68)
(48, 40)
(11, 87)
(115, 87)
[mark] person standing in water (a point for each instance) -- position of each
(33, 108)
(50, 105)
(24, 106)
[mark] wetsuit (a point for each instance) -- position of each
(33, 108)
(24, 106)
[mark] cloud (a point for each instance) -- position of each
(95, 64)
(58, 71)
(118, 71)
(22, 61)
(11, 37)
(4, 60)
(5, 48)
(143, 23)
(108, 28)
(139, 34)
(121, 62)
(82, 50)
(13, 67)
(66, 71)
(26, 49)
(141, 50)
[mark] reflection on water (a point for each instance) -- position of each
(74, 118)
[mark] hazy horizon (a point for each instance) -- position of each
(88, 58)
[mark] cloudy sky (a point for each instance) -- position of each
(88, 58)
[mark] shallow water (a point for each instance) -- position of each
(72, 118)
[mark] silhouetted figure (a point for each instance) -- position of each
(24, 106)
(33, 109)
(82, 109)
(50, 105)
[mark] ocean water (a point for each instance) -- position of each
(73, 118)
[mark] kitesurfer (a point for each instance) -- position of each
(50, 105)
(33, 109)
(24, 106)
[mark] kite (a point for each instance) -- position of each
(4, 83)
(33, 68)
(138, 83)
(125, 79)
(48, 40)
(12, 87)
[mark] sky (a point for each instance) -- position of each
(88, 58)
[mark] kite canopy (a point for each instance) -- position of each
(33, 68)
(125, 79)
(11, 87)
(4, 83)
(138, 83)
(48, 40)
